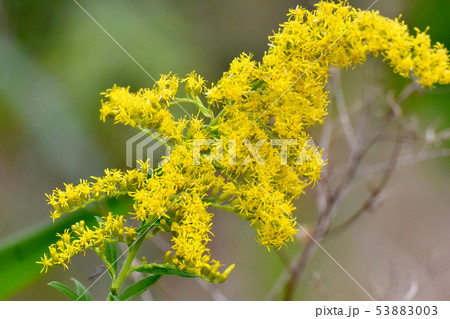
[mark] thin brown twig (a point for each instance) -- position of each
(407, 160)
(375, 194)
(343, 113)
(357, 153)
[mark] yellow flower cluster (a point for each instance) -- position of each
(195, 84)
(191, 233)
(148, 108)
(113, 184)
(271, 212)
(265, 109)
(81, 237)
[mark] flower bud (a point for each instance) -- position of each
(167, 257)
(206, 258)
(213, 273)
(225, 274)
(131, 235)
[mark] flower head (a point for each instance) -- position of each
(266, 109)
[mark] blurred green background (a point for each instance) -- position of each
(55, 61)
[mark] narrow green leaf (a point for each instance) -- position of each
(19, 252)
(111, 255)
(99, 220)
(139, 287)
(64, 289)
(166, 269)
(82, 292)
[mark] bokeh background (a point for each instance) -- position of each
(55, 61)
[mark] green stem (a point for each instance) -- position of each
(183, 100)
(127, 269)
(197, 102)
(108, 265)
(215, 120)
(224, 207)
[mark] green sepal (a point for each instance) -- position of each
(139, 287)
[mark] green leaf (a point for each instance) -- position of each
(111, 255)
(165, 269)
(99, 220)
(139, 287)
(82, 292)
(120, 205)
(64, 289)
(19, 252)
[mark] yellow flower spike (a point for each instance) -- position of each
(277, 98)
